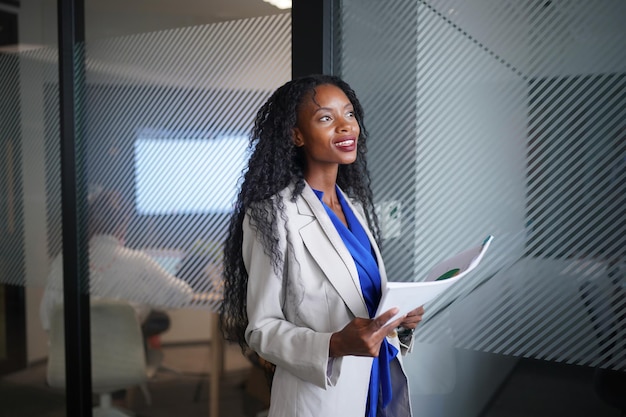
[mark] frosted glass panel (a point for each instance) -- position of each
(503, 118)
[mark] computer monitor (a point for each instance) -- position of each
(175, 176)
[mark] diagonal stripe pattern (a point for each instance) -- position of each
(504, 118)
(167, 118)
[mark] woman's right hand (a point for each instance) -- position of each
(362, 337)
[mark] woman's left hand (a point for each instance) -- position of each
(413, 318)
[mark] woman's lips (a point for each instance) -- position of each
(346, 145)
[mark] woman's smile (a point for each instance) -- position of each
(347, 145)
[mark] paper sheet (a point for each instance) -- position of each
(408, 296)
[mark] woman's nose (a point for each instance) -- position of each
(346, 126)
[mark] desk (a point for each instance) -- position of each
(211, 301)
(208, 296)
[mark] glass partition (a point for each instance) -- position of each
(28, 66)
(168, 110)
(503, 118)
(167, 100)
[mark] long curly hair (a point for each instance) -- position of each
(274, 164)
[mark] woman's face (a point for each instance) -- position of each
(327, 129)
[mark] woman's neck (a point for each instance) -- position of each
(322, 180)
(327, 185)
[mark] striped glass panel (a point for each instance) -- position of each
(24, 156)
(167, 120)
(504, 118)
(11, 194)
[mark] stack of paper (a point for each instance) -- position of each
(407, 296)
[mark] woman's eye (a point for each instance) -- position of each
(350, 114)
(324, 118)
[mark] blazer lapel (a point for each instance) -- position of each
(327, 248)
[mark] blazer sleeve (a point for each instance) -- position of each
(301, 351)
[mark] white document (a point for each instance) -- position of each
(407, 296)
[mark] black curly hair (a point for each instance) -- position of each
(275, 163)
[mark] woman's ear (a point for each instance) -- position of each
(298, 139)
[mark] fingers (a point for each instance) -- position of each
(384, 325)
(413, 318)
(411, 324)
(393, 325)
(362, 337)
(382, 320)
(419, 311)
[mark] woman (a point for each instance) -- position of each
(303, 271)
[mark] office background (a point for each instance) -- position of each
(485, 117)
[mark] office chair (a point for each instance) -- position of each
(117, 352)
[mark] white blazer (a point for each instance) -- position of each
(292, 313)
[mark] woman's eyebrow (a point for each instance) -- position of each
(320, 108)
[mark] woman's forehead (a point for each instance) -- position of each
(322, 93)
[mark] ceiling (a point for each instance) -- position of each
(37, 19)
(110, 18)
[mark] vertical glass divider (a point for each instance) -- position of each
(71, 23)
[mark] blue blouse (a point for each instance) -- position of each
(356, 240)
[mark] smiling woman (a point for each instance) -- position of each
(303, 233)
